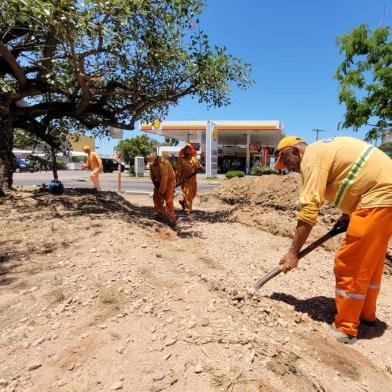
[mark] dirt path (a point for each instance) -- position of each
(97, 296)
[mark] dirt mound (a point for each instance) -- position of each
(270, 203)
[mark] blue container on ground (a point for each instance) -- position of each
(56, 187)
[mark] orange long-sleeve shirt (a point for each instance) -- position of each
(161, 172)
(347, 172)
(185, 167)
(93, 161)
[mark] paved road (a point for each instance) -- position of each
(80, 179)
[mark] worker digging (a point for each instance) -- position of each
(163, 178)
(357, 178)
(93, 162)
(187, 166)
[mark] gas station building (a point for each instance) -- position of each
(225, 145)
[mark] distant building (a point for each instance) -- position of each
(224, 145)
(77, 143)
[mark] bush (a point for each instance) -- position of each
(61, 165)
(235, 173)
(132, 170)
(262, 170)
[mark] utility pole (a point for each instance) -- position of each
(317, 132)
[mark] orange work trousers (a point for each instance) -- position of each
(94, 177)
(359, 265)
(189, 189)
(168, 198)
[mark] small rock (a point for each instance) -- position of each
(121, 349)
(34, 366)
(170, 341)
(144, 246)
(116, 386)
(159, 376)
(198, 368)
(158, 255)
(26, 345)
(85, 335)
(191, 324)
(169, 320)
(38, 342)
(205, 322)
(93, 250)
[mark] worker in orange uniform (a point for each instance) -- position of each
(93, 162)
(163, 177)
(186, 169)
(357, 178)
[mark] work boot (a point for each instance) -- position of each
(172, 223)
(369, 323)
(159, 218)
(340, 336)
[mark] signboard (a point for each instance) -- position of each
(211, 149)
(116, 133)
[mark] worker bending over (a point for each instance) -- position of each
(357, 178)
(186, 169)
(93, 162)
(162, 176)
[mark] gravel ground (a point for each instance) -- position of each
(97, 296)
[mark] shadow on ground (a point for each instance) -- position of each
(323, 309)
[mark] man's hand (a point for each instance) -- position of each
(288, 261)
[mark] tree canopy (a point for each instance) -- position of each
(104, 63)
(137, 146)
(365, 79)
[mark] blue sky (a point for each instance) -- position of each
(291, 46)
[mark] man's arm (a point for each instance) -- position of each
(311, 198)
(290, 259)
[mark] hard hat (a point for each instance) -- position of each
(288, 141)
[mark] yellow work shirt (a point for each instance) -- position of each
(347, 172)
(161, 172)
(94, 161)
(186, 167)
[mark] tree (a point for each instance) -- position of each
(387, 148)
(136, 146)
(103, 63)
(365, 79)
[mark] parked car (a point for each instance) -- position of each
(22, 165)
(110, 165)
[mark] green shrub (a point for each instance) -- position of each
(235, 173)
(131, 170)
(258, 170)
(61, 165)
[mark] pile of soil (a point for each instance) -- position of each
(271, 203)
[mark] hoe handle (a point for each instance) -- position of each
(339, 227)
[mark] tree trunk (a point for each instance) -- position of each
(6, 156)
(54, 164)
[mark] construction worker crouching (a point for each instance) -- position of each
(163, 178)
(93, 162)
(357, 178)
(186, 170)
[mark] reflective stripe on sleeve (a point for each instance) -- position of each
(352, 175)
(374, 286)
(350, 295)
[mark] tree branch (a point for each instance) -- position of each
(14, 65)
